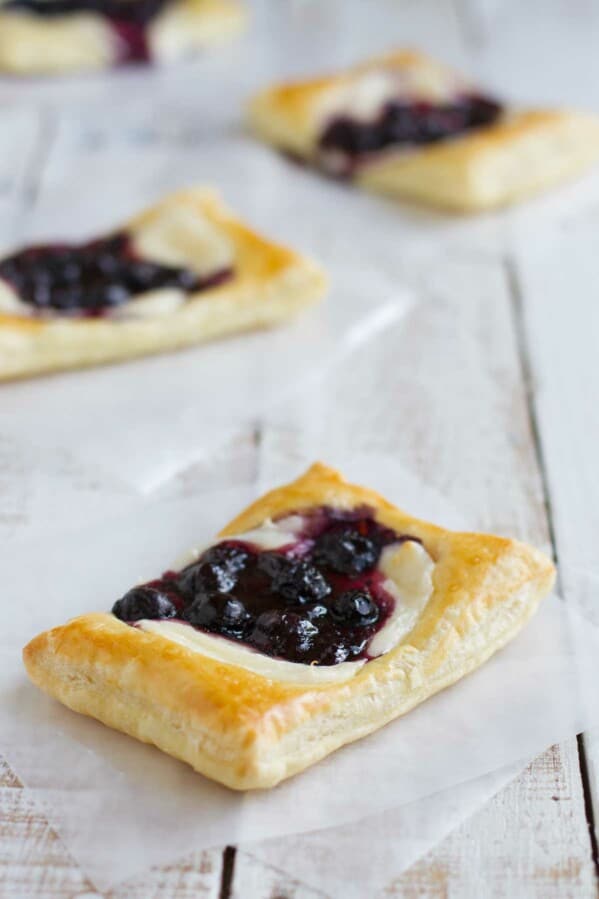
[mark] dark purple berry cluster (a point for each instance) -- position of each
(408, 123)
(90, 279)
(321, 606)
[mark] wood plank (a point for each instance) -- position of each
(510, 848)
(35, 865)
(476, 860)
(445, 394)
(558, 281)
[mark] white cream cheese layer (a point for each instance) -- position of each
(409, 579)
(10, 304)
(364, 96)
(182, 237)
(270, 535)
(408, 571)
(231, 653)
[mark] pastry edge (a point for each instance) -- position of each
(249, 732)
(505, 163)
(270, 285)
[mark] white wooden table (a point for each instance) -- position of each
(487, 391)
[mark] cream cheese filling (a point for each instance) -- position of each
(231, 653)
(270, 535)
(180, 236)
(363, 96)
(409, 580)
(408, 570)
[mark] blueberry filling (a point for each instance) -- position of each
(346, 552)
(319, 600)
(93, 278)
(405, 124)
(129, 19)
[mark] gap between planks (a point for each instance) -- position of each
(516, 299)
(227, 872)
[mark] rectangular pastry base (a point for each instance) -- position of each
(249, 731)
(270, 284)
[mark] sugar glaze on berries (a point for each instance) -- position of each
(317, 600)
(94, 278)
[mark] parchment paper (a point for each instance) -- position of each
(121, 806)
(147, 419)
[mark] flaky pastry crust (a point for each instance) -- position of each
(248, 731)
(32, 45)
(522, 153)
(270, 284)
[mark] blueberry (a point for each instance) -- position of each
(334, 652)
(286, 634)
(340, 135)
(399, 125)
(204, 578)
(346, 551)
(354, 608)
(144, 602)
(115, 294)
(71, 271)
(296, 581)
(220, 613)
(217, 570)
(65, 299)
(42, 295)
(229, 554)
(141, 275)
(186, 279)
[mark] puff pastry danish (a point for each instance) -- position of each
(320, 613)
(404, 125)
(182, 272)
(59, 36)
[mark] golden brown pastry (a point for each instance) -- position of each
(321, 613)
(404, 125)
(183, 272)
(59, 36)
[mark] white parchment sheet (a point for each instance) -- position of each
(121, 806)
(147, 419)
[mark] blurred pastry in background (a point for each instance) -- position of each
(407, 126)
(59, 36)
(183, 272)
